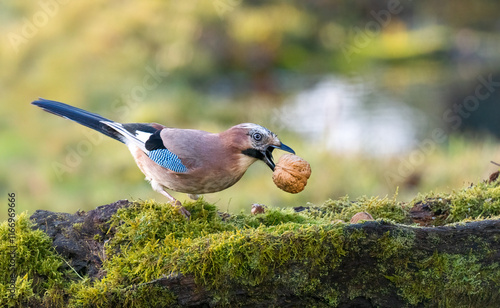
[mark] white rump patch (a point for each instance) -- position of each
(129, 137)
(143, 136)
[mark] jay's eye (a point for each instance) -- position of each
(257, 136)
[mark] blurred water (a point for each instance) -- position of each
(351, 116)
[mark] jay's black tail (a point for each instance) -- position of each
(80, 116)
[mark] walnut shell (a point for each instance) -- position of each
(291, 173)
(360, 216)
(258, 209)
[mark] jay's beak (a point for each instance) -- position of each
(268, 154)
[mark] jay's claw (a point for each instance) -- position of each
(174, 202)
(178, 205)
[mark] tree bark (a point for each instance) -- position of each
(368, 275)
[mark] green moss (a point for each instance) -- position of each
(252, 256)
(393, 245)
(37, 271)
(449, 280)
(102, 294)
(344, 209)
(381, 253)
(480, 201)
(476, 202)
(273, 217)
(440, 280)
(152, 240)
(262, 255)
(78, 226)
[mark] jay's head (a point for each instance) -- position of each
(258, 142)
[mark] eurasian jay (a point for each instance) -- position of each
(184, 160)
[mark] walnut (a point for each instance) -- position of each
(360, 216)
(291, 173)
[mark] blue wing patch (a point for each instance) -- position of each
(167, 159)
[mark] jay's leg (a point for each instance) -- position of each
(174, 202)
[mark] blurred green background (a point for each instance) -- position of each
(376, 95)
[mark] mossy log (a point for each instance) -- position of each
(143, 254)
